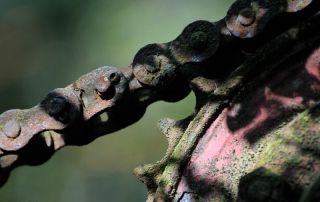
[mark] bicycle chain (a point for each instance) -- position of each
(70, 116)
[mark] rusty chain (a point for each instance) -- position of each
(71, 115)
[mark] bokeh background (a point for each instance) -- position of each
(49, 44)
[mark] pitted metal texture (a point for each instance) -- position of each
(168, 71)
(247, 18)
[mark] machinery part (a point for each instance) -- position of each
(70, 116)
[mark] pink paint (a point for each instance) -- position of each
(287, 91)
(313, 64)
(205, 119)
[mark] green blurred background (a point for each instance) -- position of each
(49, 44)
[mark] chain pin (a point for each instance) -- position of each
(102, 87)
(246, 16)
(12, 129)
(198, 40)
(152, 63)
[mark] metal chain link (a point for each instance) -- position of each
(71, 115)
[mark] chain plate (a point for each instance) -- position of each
(100, 89)
(247, 18)
(60, 108)
(155, 64)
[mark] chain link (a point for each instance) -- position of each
(70, 116)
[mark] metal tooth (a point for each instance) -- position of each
(12, 129)
(164, 124)
(148, 174)
(198, 40)
(246, 16)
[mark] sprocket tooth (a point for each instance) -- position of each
(165, 124)
(173, 130)
(149, 175)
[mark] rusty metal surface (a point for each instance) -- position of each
(60, 108)
(240, 141)
(241, 103)
(246, 18)
(155, 64)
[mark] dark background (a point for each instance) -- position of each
(49, 44)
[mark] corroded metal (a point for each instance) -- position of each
(156, 64)
(239, 142)
(247, 18)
